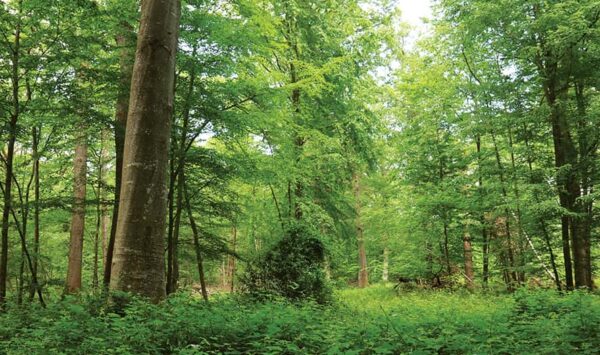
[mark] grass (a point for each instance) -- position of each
(371, 321)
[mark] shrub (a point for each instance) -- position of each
(292, 269)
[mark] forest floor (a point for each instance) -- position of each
(376, 320)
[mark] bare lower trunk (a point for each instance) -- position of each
(386, 265)
(231, 261)
(447, 250)
(73, 284)
(12, 137)
(138, 260)
(468, 261)
(36, 132)
(363, 275)
(199, 261)
(99, 213)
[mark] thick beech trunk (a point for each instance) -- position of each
(73, 284)
(138, 259)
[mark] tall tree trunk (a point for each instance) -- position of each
(99, 214)
(177, 171)
(138, 260)
(541, 221)
(468, 261)
(126, 41)
(509, 245)
(363, 275)
(518, 216)
(569, 190)
(73, 284)
(36, 133)
(587, 171)
(484, 230)
(196, 234)
(12, 137)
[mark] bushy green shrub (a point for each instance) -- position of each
(292, 269)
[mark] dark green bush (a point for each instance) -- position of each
(292, 269)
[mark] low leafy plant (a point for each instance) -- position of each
(370, 321)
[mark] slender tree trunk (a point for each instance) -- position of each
(36, 133)
(177, 171)
(569, 192)
(541, 221)
(73, 284)
(363, 275)
(386, 265)
(12, 137)
(564, 154)
(171, 219)
(231, 261)
(587, 169)
(138, 260)
(21, 279)
(484, 230)
(173, 277)
(446, 250)
(126, 41)
(520, 239)
(507, 232)
(99, 204)
(197, 249)
(468, 261)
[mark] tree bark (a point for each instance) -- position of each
(73, 284)
(138, 260)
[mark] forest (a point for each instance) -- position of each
(299, 176)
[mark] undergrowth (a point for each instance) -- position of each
(371, 321)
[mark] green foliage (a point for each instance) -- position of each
(371, 321)
(292, 268)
